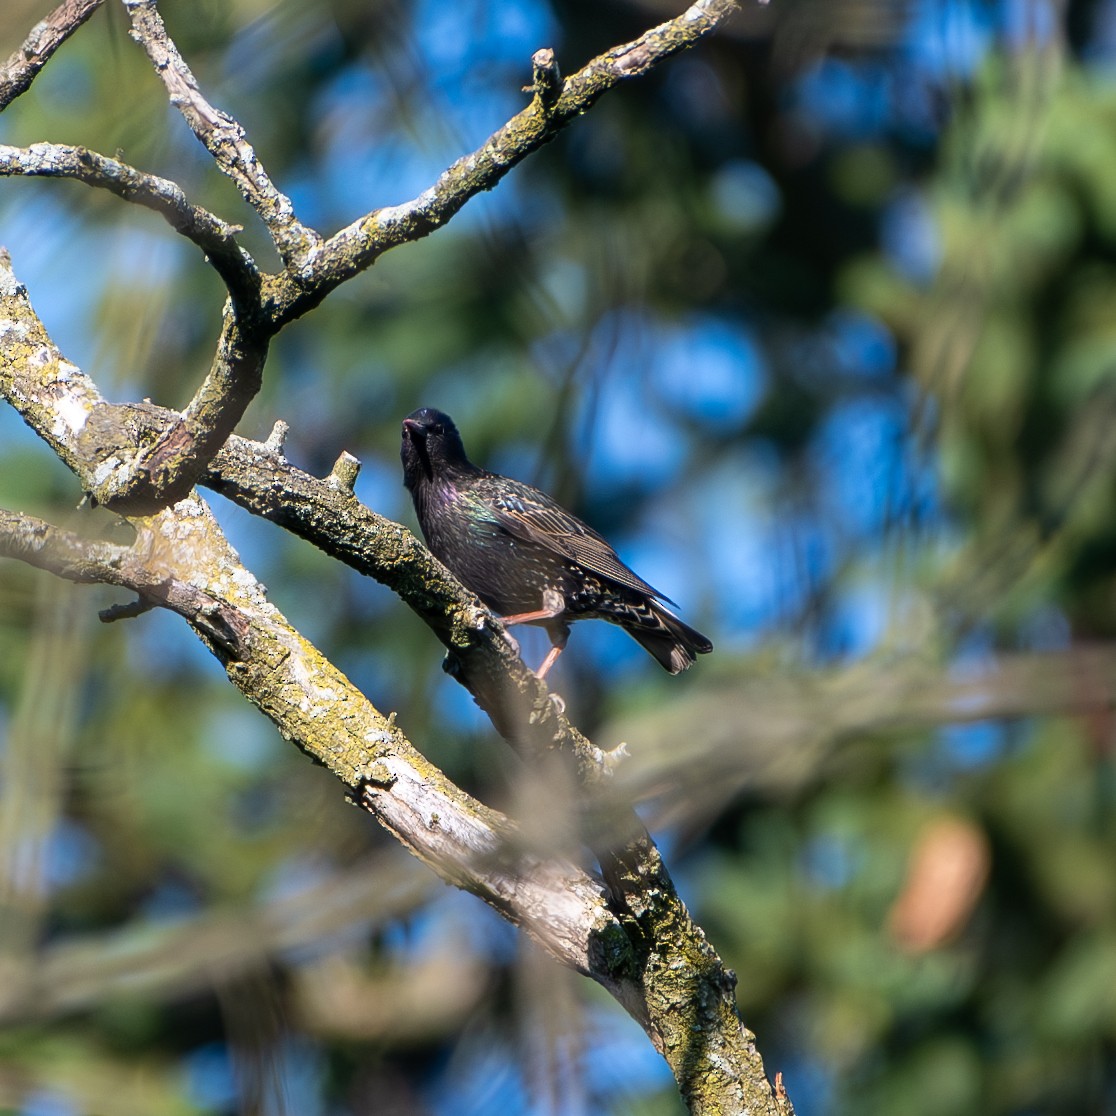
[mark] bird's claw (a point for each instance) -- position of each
(513, 643)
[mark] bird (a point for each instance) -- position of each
(529, 559)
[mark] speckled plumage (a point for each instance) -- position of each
(524, 555)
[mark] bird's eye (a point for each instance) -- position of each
(437, 428)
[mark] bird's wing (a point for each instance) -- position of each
(528, 514)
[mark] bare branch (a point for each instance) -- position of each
(122, 459)
(223, 137)
(181, 560)
(328, 515)
(649, 954)
(63, 406)
(672, 1001)
(360, 244)
(160, 472)
(59, 552)
(774, 735)
(17, 74)
(546, 78)
(518, 703)
(54, 397)
(212, 235)
(232, 382)
(639, 940)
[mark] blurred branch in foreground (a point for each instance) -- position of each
(774, 735)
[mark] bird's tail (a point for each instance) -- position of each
(674, 644)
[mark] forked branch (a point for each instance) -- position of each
(224, 138)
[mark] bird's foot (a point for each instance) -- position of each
(512, 642)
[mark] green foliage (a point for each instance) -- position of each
(546, 318)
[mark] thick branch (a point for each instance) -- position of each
(256, 476)
(182, 562)
(651, 955)
(223, 138)
(655, 960)
(232, 382)
(17, 74)
(126, 464)
(687, 1003)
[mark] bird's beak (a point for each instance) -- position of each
(414, 429)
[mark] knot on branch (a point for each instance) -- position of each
(277, 439)
(344, 473)
(143, 454)
(546, 79)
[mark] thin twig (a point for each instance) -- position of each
(213, 236)
(224, 138)
(357, 246)
(17, 74)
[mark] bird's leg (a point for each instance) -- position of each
(554, 604)
(558, 643)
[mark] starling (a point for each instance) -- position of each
(527, 558)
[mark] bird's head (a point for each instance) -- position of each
(431, 446)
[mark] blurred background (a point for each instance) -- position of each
(816, 324)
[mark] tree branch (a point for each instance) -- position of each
(687, 1003)
(181, 561)
(356, 247)
(151, 474)
(183, 957)
(256, 476)
(21, 68)
(649, 953)
(212, 235)
(224, 138)
(125, 463)
(773, 736)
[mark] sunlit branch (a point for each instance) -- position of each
(258, 477)
(212, 235)
(223, 137)
(684, 1000)
(636, 938)
(182, 562)
(133, 466)
(360, 244)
